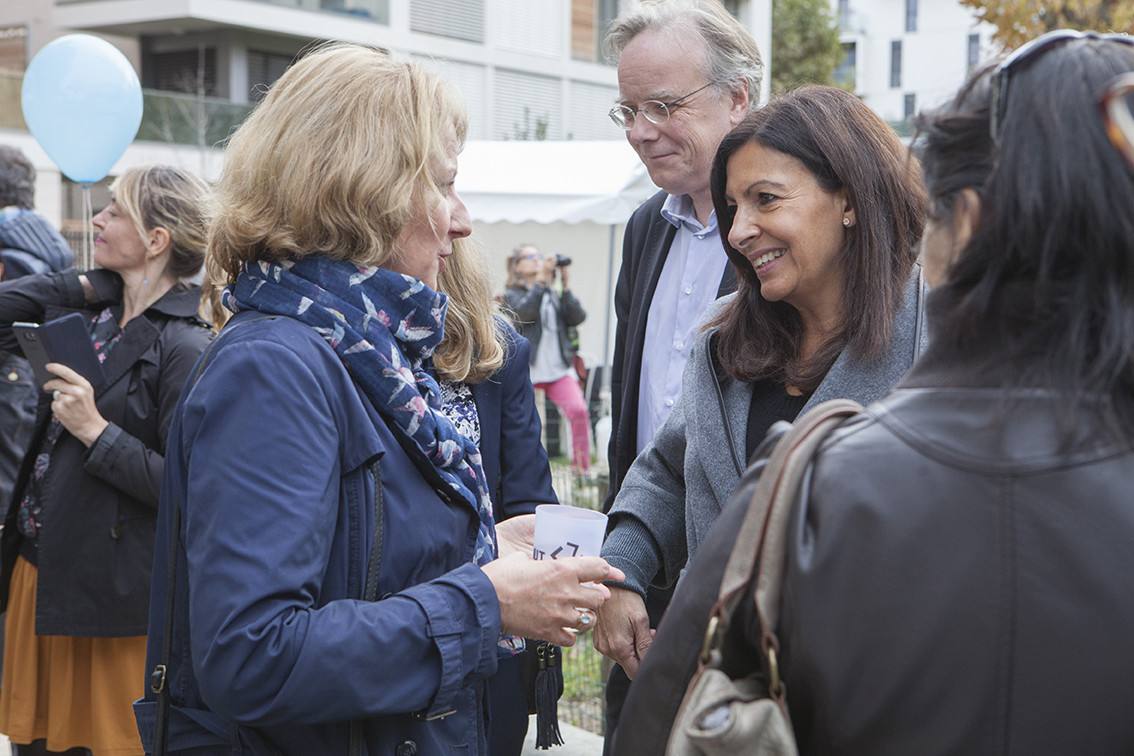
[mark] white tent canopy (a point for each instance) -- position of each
(548, 182)
(570, 182)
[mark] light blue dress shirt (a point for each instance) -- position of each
(690, 278)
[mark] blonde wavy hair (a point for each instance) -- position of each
(473, 346)
(334, 162)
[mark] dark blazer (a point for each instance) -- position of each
(644, 249)
(519, 478)
(514, 460)
(95, 551)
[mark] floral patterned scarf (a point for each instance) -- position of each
(383, 326)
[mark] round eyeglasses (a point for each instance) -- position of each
(1117, 105)
(655, 111)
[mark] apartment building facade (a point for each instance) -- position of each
(902, 56)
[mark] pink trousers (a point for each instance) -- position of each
(568, 397)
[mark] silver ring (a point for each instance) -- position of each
(55, 394)
(585, 618)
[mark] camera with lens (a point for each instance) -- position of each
(562, 261)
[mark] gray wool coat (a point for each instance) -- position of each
(675, 489)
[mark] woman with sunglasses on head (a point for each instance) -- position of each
(77, 546)
(957, 577)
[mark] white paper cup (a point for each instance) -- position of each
(562, 531)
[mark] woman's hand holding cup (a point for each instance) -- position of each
(553, 594)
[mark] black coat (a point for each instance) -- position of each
(95, 545)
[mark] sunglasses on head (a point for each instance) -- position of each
(1029, 53)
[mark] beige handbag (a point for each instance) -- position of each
(719, 715)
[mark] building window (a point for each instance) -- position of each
(845, 74)
(974, 49)
(191, 71)
(14, 47)
(607, 11)
(458, 19)
(911, 15)
(910, 107)
(263, 70)
(527, 107)
(896, 64)
(842, 14)
(374, 10)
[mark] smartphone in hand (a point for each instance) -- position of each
(64, 340)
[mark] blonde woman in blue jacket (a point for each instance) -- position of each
(332, 530)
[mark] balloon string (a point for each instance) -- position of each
(88, 237)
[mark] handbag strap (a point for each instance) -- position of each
(761, 542)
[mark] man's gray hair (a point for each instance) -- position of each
(731, 51)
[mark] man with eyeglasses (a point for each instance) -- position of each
(687, 73)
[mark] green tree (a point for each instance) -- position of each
(805, 43)
(1018, 21)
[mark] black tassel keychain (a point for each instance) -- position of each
(548, 689)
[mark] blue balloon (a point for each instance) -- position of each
(83, 104)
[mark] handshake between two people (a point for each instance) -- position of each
(548, 599)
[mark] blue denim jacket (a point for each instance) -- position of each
(273, 458)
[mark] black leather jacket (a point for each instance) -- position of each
(958, 581)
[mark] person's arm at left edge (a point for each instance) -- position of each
(27, 299)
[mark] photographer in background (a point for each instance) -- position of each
(539, 307)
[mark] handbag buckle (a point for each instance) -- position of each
(157, 679)
(775, 684)
(709, 644)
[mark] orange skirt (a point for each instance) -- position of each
(70, 691)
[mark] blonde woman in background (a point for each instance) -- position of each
(77, 545)
(482, 366)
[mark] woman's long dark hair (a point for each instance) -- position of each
(844, 145)
(1043, 294)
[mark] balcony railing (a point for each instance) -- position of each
(186, 119)
(373, 10)
(166, 116)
